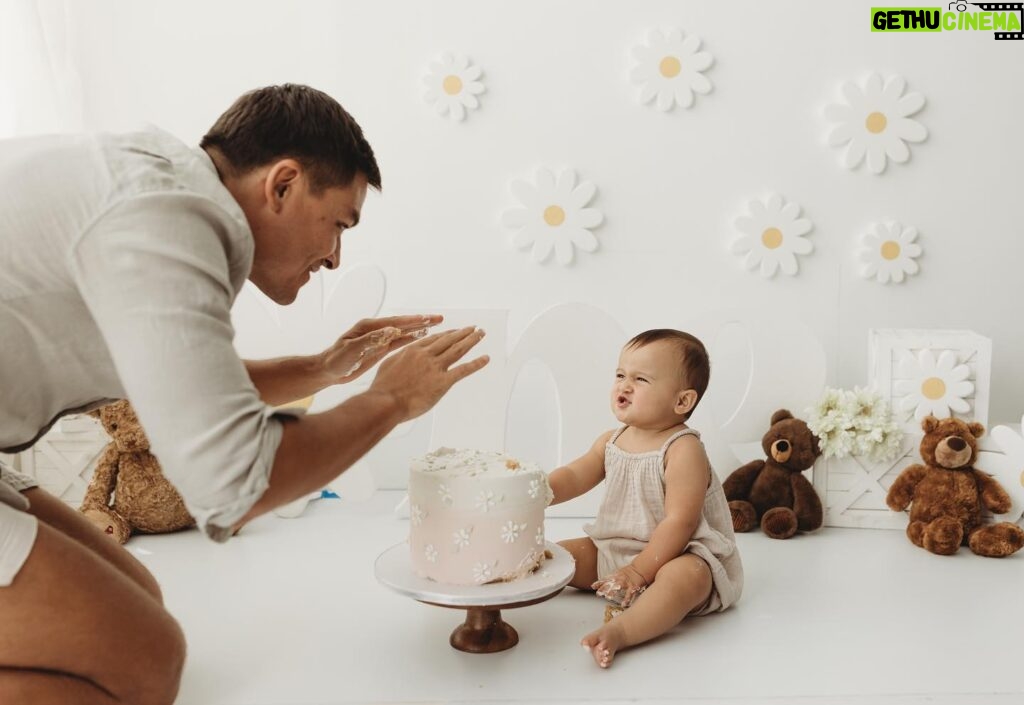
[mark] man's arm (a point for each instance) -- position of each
(317, 448)
(286, 379)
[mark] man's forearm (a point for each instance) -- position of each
(315, 449)
(286, 379)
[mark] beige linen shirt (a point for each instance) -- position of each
(121, 256)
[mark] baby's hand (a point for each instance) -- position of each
(622, 586)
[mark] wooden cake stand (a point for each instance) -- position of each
(484, 631)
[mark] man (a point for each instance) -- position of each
(122, 256)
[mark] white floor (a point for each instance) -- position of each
(289, 613)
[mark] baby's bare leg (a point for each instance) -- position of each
(682, 585)
(584, 552)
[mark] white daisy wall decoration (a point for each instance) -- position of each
(453, 84)
(773, 236)
(889, 252)
(669, 69)
(553, 216)
(874, 122)
(934, 386)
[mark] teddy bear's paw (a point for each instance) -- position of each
(997, 540)
(779, 523)
(915, 532)
(943, 536)
(744, 516)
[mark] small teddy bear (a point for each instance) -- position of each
(773, 490)
(947, 493)
(143, 500)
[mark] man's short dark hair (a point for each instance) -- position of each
(297, 122)
(694, 363)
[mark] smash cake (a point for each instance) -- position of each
(476, 517)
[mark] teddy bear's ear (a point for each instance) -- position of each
(781, 415)
(977, 429)
(929, 424)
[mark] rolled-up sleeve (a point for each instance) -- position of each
(154, 274)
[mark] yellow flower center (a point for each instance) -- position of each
(876, 122)
(890, 250)
(771, 238)
(670, 67)
(452, 85)
(933, 388)
(554, 215)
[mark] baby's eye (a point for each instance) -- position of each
(641, 379)
(619, 375)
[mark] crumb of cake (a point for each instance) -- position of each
(612, 611)
(548, 554)
(512, 464)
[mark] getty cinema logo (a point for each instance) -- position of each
(998, 17)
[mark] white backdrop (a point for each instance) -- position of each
(669, 184)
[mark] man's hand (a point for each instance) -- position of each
(420, 375)
(622, 586)
(369, 341)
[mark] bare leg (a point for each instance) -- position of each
(60, 516)
(584, 552)
(682, 585)
(76, 629)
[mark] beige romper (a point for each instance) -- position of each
(634, 504)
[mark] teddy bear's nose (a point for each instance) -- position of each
(956, 443)
(782, 446)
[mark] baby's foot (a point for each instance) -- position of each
(604, 643)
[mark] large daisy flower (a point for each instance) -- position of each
(930, 386)
(888, 253)
(453, 85)
(773, 236)
(553, 216)
(874, 122)
(669, 68)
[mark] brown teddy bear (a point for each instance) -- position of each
(774, 491)
(946, 494)
(143, 500)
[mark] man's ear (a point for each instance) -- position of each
(280, 180)
(685, 402)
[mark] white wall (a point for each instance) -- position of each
(670, 185)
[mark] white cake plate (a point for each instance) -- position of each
(483, 632)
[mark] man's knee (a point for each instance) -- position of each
(157, 677)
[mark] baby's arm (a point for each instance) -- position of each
(581, 475)
(686, 483)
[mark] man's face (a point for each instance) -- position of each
(298, 232)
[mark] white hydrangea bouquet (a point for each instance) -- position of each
(855, 422)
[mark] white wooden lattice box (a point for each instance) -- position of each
(853, 489)
(943, 372)
(63, 460)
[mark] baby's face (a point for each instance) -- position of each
(647, 386)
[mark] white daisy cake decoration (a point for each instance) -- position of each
(669, 69)
(453, 86)
(491, 527)
(773, 236)
(930, 385)
(873, 121)
(889, 253)
(553, 216)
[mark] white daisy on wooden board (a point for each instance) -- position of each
(453, 84)
(874, 122)
(553, 216)
(773, 236)
(889, 252)
(670, 69)
(936, 386)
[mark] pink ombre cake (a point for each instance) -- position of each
(476, 517)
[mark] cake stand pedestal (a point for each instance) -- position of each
(483, 631)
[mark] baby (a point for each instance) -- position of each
(662, 544)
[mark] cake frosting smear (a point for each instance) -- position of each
(476, 517)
